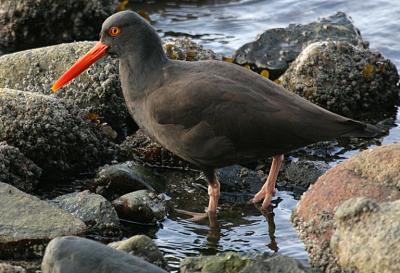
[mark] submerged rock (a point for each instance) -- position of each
(116, 180)
(276, 48)
(367, 236)
(52, 22)
(303, 173)
(97, 92)
(28, 223)
(8, 268)
(343, 78)
(141, 206)
(142, 246)
(17, 170)
(235, 263)
(53, 134)
(93, 209)
(373, 173)
(74, 254)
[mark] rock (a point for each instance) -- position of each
(52, 133)
(367, 236)
(140, 147)
(276, 48)
(231, 262)
(73, 254)
(237, 178)
(141, 206)
(344, 78)
(50, 21)
(93, 209)
(303, 173)
(8, 268)
(372, 173)
(96, 92)
(122, 178)
(28, 223)
(17, 170)
(184, 48)
(144, 247)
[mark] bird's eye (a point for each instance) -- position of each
(114, 31)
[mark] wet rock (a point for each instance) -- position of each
(186, 49)
(141, 206)
(73, 254)
(97, 92)
(367, 236)
(237, 178)
(116, 180)
(93, 209)
(235, 263)
(301, 174)
(52, 22)
(28, 223)
(140, 147)
(8, 268)
(17, 170)
(144, 247)
(343, 78)
(276, 48)
(52, 133)
(373, 173)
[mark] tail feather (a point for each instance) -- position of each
(363, 130)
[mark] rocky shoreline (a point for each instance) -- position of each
(84, 136)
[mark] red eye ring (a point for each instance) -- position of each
(114, 31)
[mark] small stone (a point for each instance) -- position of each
(8, 268)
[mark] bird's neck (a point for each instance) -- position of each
(141, 69)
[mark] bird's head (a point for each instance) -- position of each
(124, 32)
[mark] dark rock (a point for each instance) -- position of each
(141, 206)
(74, 254)
(276, 48)
(372, 173)
(28, 223)
(235, 263)
(343, 78)
(140, 146)
(303, 173)
(116, 180)
(17, 170)
(367, 236)
(8, 268)
(52, 134)
(93, 209)
(51, 22)
(144, 247)
(236, 178)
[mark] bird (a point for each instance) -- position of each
(210, 113)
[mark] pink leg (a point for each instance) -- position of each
(213, 193)
(268, 189)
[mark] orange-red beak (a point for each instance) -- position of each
(98, 51)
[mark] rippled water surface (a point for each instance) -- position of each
(224, 26)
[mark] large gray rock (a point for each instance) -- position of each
(28, 223)
(343, 78)
(93, 209)
(183, 48)
(276, 48)
(96, 92)
(51, 133)
(33, 23)
(234, 263)
(118, 179)
(142, 246)
(17, 170)
(142, 206)
(367, 236)
(74, 254)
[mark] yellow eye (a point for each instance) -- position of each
(114, 31)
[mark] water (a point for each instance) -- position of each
(223, 26)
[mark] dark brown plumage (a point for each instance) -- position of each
(211, 113)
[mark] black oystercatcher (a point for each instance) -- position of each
(210, 113)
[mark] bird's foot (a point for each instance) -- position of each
(194, 216)
(264, 195)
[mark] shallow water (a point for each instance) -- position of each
(224, 26)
